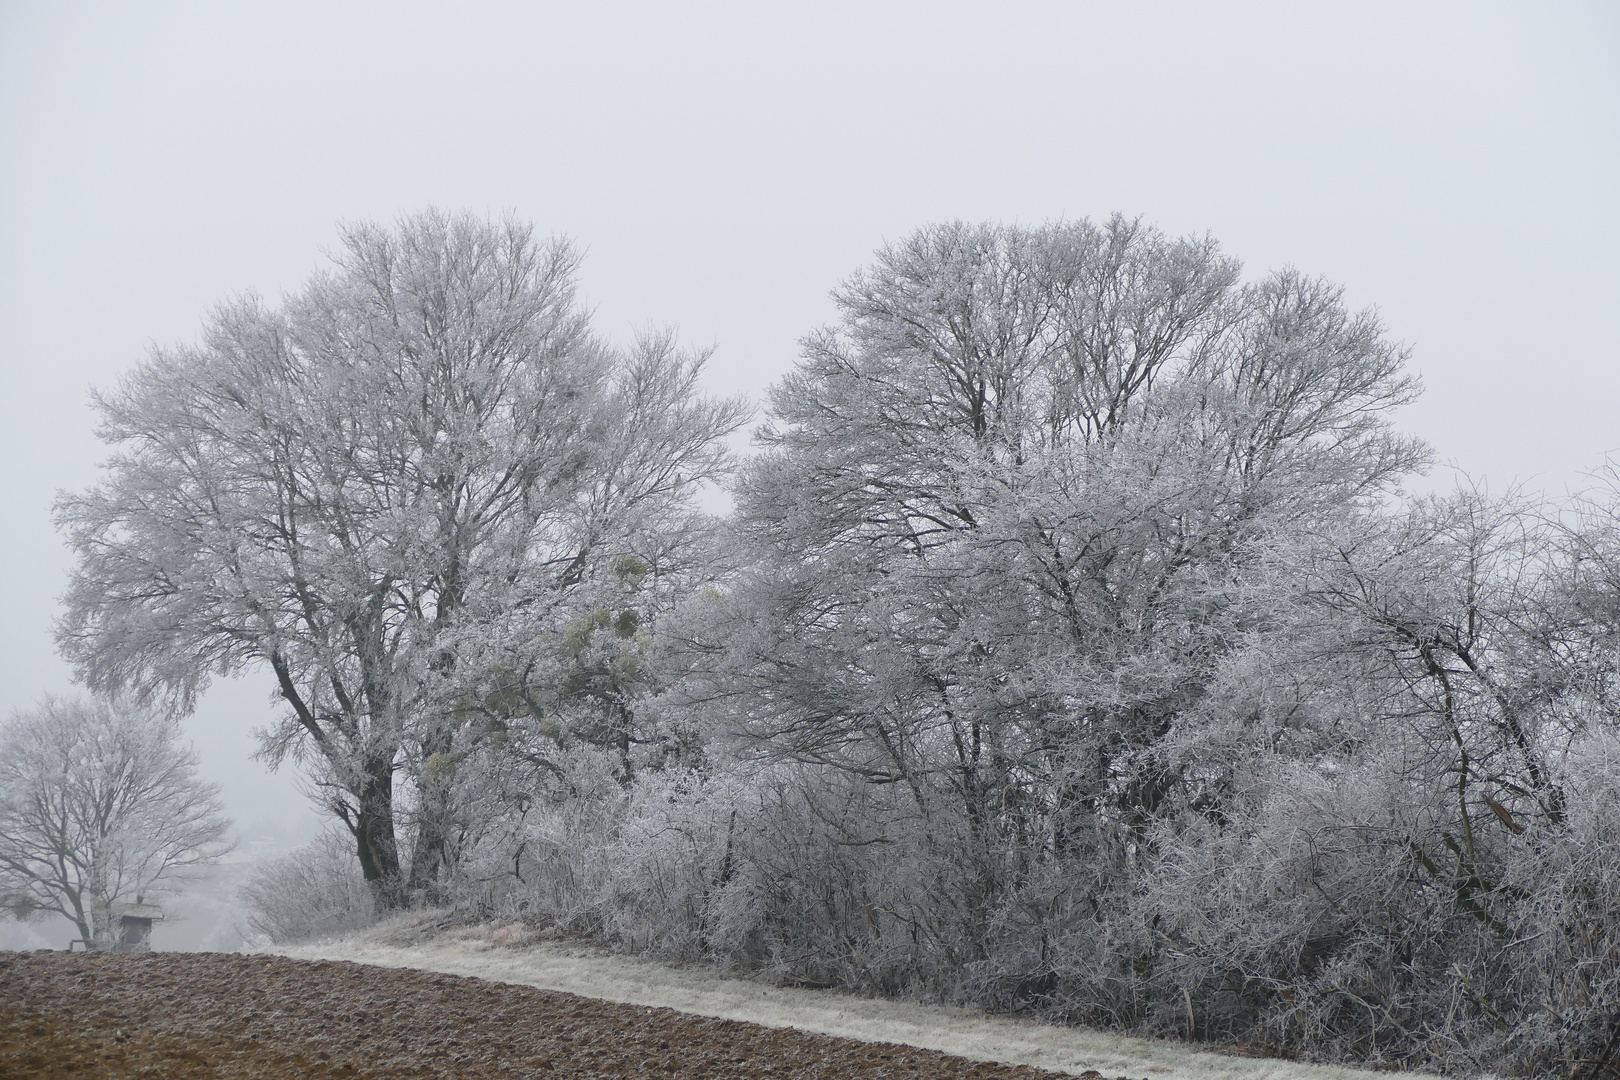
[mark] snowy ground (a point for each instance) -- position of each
(512, 956)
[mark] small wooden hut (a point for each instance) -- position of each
(130, 924)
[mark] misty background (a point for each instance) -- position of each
(1455, 165)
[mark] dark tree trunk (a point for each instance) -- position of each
(86, 931)
(373, 829)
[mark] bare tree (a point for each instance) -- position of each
(99, 801)
(426, 442)
(1010, 499)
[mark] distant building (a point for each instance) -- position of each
(130, 925)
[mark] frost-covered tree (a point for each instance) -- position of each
(425, 446)
(1007, 502)
(1009, 523)
(99, 802)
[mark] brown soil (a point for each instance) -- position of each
(181, 1016)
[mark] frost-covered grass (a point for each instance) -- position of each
(508, 954)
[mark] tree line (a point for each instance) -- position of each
(1073, 644)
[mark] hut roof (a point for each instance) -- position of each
(133, 911)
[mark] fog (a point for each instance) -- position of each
(725, 166)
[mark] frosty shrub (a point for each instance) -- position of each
(1562, 972)
(1322, 920)
(1313, 915)
(539, 852)
(315, 890)
(1308, 921)
(858, 892)
(675, 882)
(651, 866)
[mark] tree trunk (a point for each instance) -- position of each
(101, 929)
(430, 845)
(86, 933)
(373, 829)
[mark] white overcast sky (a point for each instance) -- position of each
(1456, 165)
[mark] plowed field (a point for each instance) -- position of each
(181, 1016)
